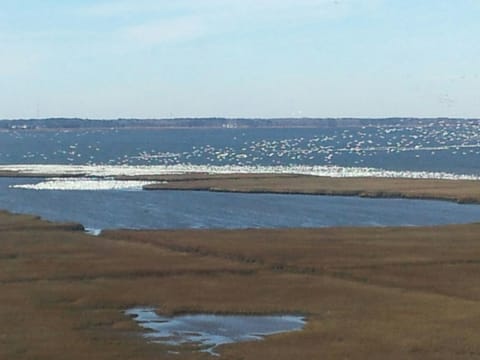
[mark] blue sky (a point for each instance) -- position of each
(239, 58)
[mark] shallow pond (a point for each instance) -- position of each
(210, 331)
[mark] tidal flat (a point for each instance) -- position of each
(368, 293)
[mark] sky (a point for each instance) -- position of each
(239, 58)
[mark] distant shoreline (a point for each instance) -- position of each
(222, 123)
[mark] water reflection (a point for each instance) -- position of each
(210, 331)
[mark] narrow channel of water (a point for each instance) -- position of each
(109, 209)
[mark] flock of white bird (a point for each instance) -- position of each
(316, 153)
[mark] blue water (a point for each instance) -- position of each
(435, 147)
(194, 209)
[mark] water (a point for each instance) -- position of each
(211, 331)
(136, 209)
(432, 148)
(372, 151)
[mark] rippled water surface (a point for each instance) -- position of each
(433, 151)
(103, 209)
(435, 147)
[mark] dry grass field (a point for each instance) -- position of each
(368, 293)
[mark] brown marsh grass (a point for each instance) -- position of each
(464, 191)
(368, 293)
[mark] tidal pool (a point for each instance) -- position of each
(210, 331)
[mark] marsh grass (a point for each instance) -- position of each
(462, 191)
(368, 293)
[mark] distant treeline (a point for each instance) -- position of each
(76, 123)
